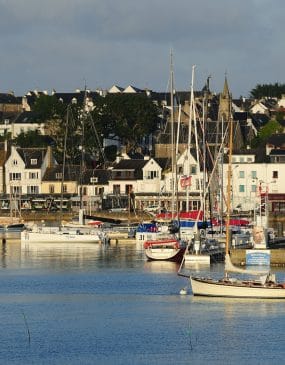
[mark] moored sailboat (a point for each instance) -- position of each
(165, 249)
(263, 287)
(164, 245)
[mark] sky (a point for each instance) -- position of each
(67, 44)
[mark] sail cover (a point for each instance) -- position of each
(229, 267)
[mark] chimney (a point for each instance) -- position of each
(49, 157)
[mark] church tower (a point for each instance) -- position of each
(224, 112)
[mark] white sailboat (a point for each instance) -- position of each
(163, 245)
(263, 286)
(45, 234)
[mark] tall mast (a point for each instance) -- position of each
(64, 160)
(229, 185)
(189, 133)
(173, 162)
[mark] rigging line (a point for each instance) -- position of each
(101, 149)
(63, 162)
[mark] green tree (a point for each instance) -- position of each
(126, 116)
(266, 131)
(48, 107)
(32, 139)
(268, 90)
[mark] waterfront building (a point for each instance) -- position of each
(25, 168)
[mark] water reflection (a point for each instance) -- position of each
(161, 266)
(234, 307)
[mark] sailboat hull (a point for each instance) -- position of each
(236, 289)
(164, 254)
(57, 237)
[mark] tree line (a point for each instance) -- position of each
(125, 117)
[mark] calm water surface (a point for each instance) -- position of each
(87, 304)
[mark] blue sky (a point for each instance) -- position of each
(63, 44)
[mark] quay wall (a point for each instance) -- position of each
(277, 257)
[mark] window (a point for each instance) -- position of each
(275, 174)
(152, 174)
(15, 176)
(34, 161)
(15, 162)
(198, 184)
(253, 174)
(64, 188)
(16, 190)
(129, 188)
(253, 188)
(180, 170)
(241, 188)
(58, 175)
(241, 174)
(33, 189)
(51, 189)
(116, 189)
(193, 170)
(33, 175)
(241, 159)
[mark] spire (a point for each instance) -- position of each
(226, 92)
(225, 102)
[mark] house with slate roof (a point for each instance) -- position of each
(93, 187)
(275, 147)
(25, 168)
(132, 90)
(139, 177)
(10, 103)
(22, 123)
(53, 177)
(254, 173)
(115, 89)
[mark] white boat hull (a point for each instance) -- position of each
(56, 237)
(214, 288)
(164, 254)
(197, 258)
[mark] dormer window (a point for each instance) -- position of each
(58, 175)
(15, 162)
(34, 161)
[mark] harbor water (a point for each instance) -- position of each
(94, 304)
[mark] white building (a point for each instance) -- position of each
(25, 168)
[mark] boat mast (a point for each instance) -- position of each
(64, 161)
(173, 162)
(189, 133)
(229, 184)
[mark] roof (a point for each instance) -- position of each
(26, 117)
(278, 140)
(9, 99)
(79, 96)
(71, 173)
(259, 120)
(35, 154)
(277, 152)
(103, 176)
(130, 164)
